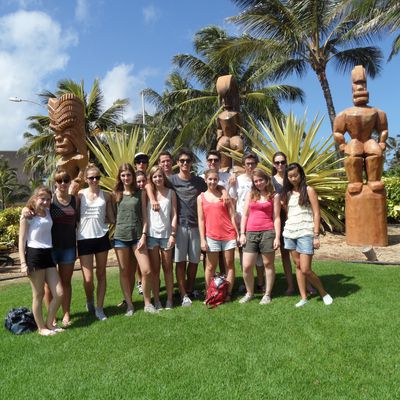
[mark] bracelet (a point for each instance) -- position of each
(242, 233)
(144, 233)
(173, 234)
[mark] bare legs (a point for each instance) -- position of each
(166, 261)
(38, 279)
(249, 259)
(287, 269)
(87, 272)
(143, 261)
(304, 273)
(127, 268)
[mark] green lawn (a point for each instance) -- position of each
(349, 350)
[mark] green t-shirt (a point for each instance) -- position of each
(129, 225)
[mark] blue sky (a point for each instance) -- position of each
(128, 45)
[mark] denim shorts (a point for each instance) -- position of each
(303, 244)
(63, 256)
(162, 243)
(220, 245)
(123, 244)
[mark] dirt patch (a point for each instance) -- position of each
(333, 247)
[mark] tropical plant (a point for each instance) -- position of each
(302, 34)
(184, 104)
(112, 148)
(299, 143)
(392, 185)
(9, 225)
(10, 190)
(380, 16)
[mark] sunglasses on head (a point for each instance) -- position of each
(185, 160)
(60, 181)
(92, 178)
(280, 162)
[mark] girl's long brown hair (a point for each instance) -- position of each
(119, 186)
(255, 193)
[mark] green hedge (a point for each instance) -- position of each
(9, 225)
(392, 185)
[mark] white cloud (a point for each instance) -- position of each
(151, 14)
(81, 10)
(32, 46)
(121, 83)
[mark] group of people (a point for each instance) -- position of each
(161, 218)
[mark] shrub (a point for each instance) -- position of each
(392, 185)
(9, 225)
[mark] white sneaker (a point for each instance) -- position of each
(129, 313)
(100, 314)
(327, 299)
(266, 299)
(186, 302)
(246, 298)
(301, 303)
(150, 309)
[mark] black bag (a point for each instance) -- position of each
(19, 321)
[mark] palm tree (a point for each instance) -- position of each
(302, 34)
(380, 15)
(197, 108)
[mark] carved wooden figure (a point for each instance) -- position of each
(230, 120)
(366, 217)
(67, 120)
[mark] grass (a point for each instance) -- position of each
(345, 351)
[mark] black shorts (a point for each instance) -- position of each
(93, 246)
(38, 259)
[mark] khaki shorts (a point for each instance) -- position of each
(260, 242)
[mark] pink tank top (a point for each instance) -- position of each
(217, 221)
(261, 216)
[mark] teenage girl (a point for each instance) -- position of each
(130, 236)
(161, 234)
(218, 231)
(35, 245)
(301, 232)
(260, 231)
(96, 212)
(141, 180)
(64, 213)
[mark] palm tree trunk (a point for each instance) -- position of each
(329, 102)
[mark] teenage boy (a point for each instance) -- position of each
(187, 247)
(141, 162)
(239, 192)
(165, 162)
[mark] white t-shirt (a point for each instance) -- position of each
(239, 192)
(39, 231)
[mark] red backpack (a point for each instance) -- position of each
(217, 291)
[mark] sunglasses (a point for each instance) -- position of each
(280, 162)
(141, 162)
(92, 178)
(185, 160)
(213, 160)
(60, 181)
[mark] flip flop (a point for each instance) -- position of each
(57, 329)
(48, 332)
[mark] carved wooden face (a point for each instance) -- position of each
(64, 145)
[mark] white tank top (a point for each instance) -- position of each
(92, 224)
(160, 221)
(39, 231)
(300, 221)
